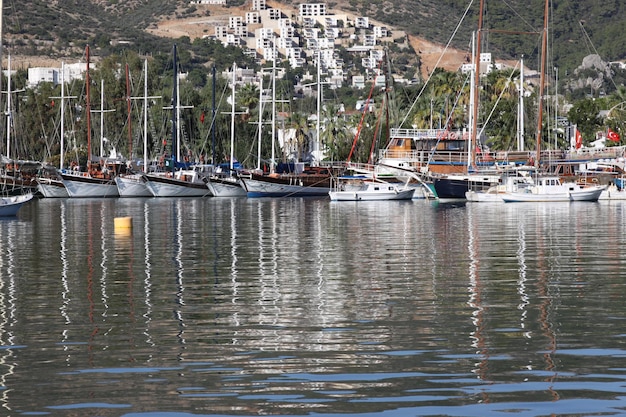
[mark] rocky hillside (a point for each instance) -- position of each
(40, 30)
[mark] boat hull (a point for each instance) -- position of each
(457, 186)
(132, 186)
(163, 186)
(592, 194)
(221, 187)
(88, 187)
(371, 195)
(50, 188)
(269, 187)
(9, 206)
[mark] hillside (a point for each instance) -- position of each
(201, 25)
(40, 31)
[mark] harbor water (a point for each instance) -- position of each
(247, 307)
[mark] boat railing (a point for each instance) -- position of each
(442, 134)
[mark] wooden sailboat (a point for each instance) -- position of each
(97, 180)
(227, 184)
(184, 182)
(49, 181)
(133, 184)
(302, 182)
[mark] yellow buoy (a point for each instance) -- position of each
(123, 223)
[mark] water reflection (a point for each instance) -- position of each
(297, 306)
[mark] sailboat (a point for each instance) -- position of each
(228, 185)
(187, 182)
(97, 181)
(49, 181)
(16, 176)
(133, 184)
(302, 181)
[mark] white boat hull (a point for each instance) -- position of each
(371, 191)
(483, 197)
(132, 186)
(256, 188)
(87, 187)
(9, 206)
(370, 196)
(612, 193)
(584, 194)
(223, 187)
(161, 186)
(50, 188)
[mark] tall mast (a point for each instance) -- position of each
(232, 121)
(474, 132)
(145, 116)
(213, 111)
(542, 80)
(128, 118)
(1, 48)
(61, 162)
(258, 166)
(88, 110)
(174, 111)
(520, 108)
(9, 114)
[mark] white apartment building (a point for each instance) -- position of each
(362, 23)
(264, 33)
(380, 32)
(221, 32)
(312, 9)
(253, 18)
(241, 31)
(235, 21)
(259, 5)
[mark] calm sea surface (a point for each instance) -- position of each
(304, 307)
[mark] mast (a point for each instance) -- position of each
(1, 48)
(542, 80)
(472, 105)
(101, 117)
(258, 167)
(520, 109)
(474, 132)
(145, 116)
(128, 118)
(232, 121)
(88, 110)
(62, 114)
(214, 157)
(273, 161)
(174, 110)
(9, 115)
(319, 103)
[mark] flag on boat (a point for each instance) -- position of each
(613, 136)
(579, 139)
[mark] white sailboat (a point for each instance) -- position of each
(188, 182)
(49, 181)
(97, 181)
(133, 184)
(228, 185)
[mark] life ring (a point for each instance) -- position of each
(453, 136)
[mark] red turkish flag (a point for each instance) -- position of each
(579, 139)
(613, 136)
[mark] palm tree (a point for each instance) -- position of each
(299, 123)
(334, 133)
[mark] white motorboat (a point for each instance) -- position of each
(370, 190)
(552, 188)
